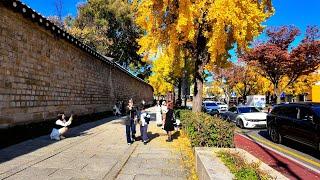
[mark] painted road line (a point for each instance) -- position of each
(317, 164)
(284, 155)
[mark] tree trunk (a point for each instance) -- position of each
(198, 87)
(179, 88)
(202, 58)
(277, 93)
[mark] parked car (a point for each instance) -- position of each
(246, 117)
(214, 112)
(212, 106)
(296, 121)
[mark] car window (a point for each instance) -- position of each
(288, 111)
(316, 110)
(275, 111)
(303, 113)
(220, 103)
(233, 109)
(248, 109)
(211, 104)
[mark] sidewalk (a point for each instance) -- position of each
(96, 150)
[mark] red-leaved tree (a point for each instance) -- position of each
(276, 61)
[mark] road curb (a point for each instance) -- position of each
(282, 154)
(115, 170)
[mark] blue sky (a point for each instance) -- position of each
(288, 12)
(47, 7)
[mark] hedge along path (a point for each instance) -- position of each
(207, 131)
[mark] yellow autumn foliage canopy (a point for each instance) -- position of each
(163, 75)
(207, 28)
(176, 24)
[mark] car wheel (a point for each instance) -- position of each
(241, 124)
(275, 135)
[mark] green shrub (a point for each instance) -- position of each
(241, 169)
(205, 130)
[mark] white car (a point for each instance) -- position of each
(246, 117)
(222, 107)
(216, 106)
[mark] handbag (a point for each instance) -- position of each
(147, 118)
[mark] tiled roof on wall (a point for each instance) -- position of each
(32, 15)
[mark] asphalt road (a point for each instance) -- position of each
(299, 153)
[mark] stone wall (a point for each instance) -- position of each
(42, 74)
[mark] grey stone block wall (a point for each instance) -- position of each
(41, 75)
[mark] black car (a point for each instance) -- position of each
(296, 121)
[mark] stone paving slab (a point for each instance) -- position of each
(96, 150)
(149, 177)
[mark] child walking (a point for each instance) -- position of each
(144, 121)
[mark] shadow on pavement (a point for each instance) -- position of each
(35, 143)
(152, 135)
(176, 135)
(293, 145)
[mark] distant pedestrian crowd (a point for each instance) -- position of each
(164, 119)
(135, 115)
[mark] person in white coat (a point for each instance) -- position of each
(60, 127)
(158, 114)
(164, 110)
(144, 122)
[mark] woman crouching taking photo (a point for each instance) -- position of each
(60, 127)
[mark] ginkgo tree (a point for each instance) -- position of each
(164, 78)
(207, 28)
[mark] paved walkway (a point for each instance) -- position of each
(96, 150)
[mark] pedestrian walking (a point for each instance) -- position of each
(130, 122)
(144, 122)
(158, 114)
(116, 110)
(164, 110)
(169, 121)
(60, 127)
(123, 107)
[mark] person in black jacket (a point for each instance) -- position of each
(130, 122)
(169, 121)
